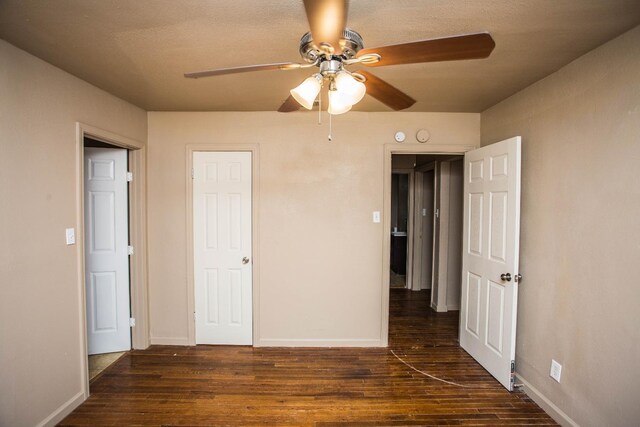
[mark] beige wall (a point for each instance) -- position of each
(320, 253)
(579, 301)
(40, 354)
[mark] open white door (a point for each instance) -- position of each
(490, 257)
(222, 247)
(106, 250)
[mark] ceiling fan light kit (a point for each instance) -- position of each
(345, 89)
(307, 91)
(331, 46)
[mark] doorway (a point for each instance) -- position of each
(136, 159)
(489, 257)
(431, 240)
(106, 254)
(426, 226)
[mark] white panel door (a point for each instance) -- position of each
(490, 257)
(106, 253)
(222, 247)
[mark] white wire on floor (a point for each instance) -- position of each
(436, 378)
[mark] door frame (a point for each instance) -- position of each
(255, 198)
(418, 223)
(388, 151)
(441, 237)
(138, 285)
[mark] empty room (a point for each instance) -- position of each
(319, 212)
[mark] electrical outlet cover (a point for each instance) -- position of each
(556, 370)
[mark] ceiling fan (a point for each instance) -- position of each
(332, 47)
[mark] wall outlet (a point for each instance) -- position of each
(70, 236)
(556, 370)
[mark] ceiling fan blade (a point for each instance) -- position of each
(244, 69)
(327, 20)
(469, 46)
(289, 105)
(385, 93)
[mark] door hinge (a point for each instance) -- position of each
(192, 173)
(129, 176)
(437, 213)
(132, 322)
(130, 250)
(194, 315)
(513, 367)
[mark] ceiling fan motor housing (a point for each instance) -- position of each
(351, 42)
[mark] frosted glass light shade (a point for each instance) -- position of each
(307, 91)
(338, 103)
(351, 88)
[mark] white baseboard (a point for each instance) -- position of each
(439, 308)
(65, 409)
(170, 341)
(546, 404)
(339, 342)
(455, 307)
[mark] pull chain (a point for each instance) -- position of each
(330, 130)
(320, 107)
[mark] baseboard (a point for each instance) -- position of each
(276, 342)
(439, 308)
(170, 341)
(455, 307)
(64, 410)
(546, 404)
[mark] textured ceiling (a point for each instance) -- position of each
(139, 49)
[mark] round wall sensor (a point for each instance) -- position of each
(423, 135)
(400, 136)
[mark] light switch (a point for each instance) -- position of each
(71, 236)
(376, 216)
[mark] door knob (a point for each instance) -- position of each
(506, 277)
(245, 260)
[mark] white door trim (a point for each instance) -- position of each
(418, 224)
(416, 243)
(441, 238)
(255, 193)
(138, 238)
(388, 151)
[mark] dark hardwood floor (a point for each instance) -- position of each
(225, 385)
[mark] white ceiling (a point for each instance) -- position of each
(139, 49)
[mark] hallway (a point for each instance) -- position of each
(224, 385)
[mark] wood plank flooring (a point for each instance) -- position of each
(225, 385)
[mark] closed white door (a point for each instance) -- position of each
(490, 257)
(106, 250)
(222, 247)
